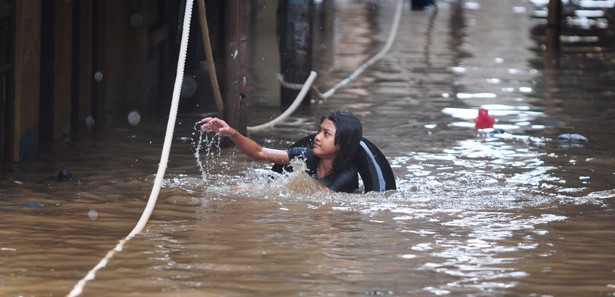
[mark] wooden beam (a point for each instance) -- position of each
(62, 68)
(235, 68)
(27, 76)
(85, 73)
(553, 32)
(211, 66)
(295, 20)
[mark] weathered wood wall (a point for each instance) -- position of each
(27, 77)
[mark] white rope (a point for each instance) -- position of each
(291, 108)
(380, 54)
(347, 80)
(164, 158)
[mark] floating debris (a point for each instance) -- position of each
(65, 175)
(572, 137)
(483, 120)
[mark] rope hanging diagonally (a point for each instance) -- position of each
(211, 66)
(164, 158)
(291, 108)
(78, 288)
(347, 80)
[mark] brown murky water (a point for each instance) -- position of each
(475, 214)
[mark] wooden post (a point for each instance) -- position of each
(324, 38)
(553, 32)
(62, 68)
(7, 50)
(235, 70)
(295, 30)
(83, 76)
(27, 77)
(211, 66)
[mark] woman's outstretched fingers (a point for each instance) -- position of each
(207, 124)
(216, 125)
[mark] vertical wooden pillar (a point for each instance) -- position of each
(64, 91)
(97, 76)
(324, 38)
(62, 68)
(295, 23)
(27, 76)
(553, 32)
(235, 68)
(7, 50)
(83, 77)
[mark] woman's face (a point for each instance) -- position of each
(324, 142)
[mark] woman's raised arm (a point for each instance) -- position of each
(245, 144)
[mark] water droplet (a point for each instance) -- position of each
(189, 86)
(92, 214)
(89, 121)
(136, 20)
(98, 76)
(134, 117)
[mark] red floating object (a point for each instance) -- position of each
(483, 120)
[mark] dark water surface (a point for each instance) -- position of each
(475, 214)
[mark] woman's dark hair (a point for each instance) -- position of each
(348, 136)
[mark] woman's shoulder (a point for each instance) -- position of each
(346, 180)
(348, 171)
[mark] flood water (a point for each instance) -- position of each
(518, 213)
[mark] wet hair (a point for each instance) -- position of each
(348, 136)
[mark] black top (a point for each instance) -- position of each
(345, 181)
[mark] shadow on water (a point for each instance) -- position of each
(476, 213)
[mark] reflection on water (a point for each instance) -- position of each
(511, 211)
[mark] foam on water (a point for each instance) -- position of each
(492, 171)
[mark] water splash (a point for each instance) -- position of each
(211, 147)
(263, 182)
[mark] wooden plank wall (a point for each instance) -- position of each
(63, 66)
(54, 95)
(123, 51)
(27, 76)
(85, 74)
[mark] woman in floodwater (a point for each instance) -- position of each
(329, 160)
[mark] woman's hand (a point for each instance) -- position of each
(217, 125)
